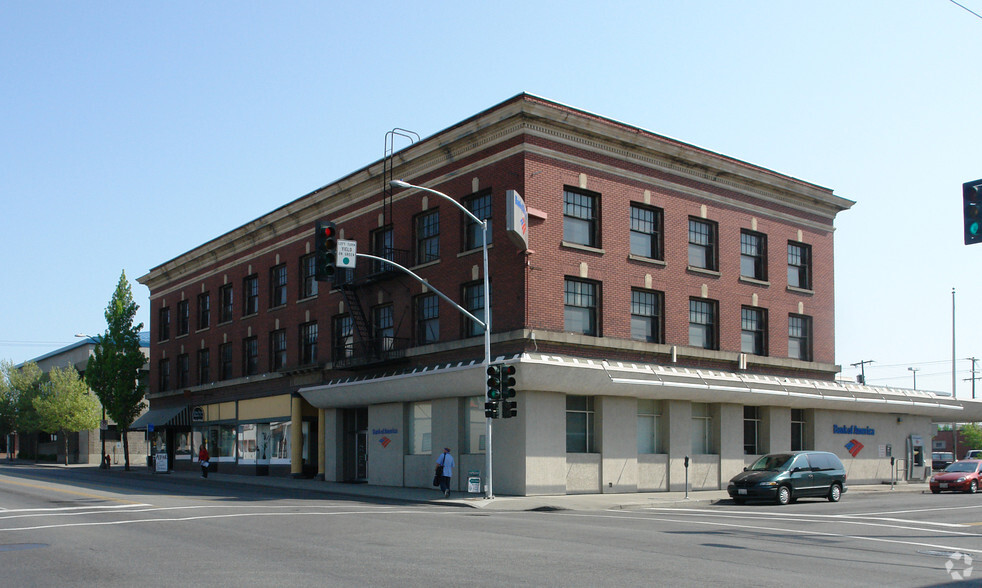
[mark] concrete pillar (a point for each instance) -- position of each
(321, 445)
(296, 436)
(617, 418)
(678, 414)
(730, 441)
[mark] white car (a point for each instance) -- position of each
(974, 454)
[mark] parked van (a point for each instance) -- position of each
(974, 454)
(786, 477)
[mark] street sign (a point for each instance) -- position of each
(347, 251)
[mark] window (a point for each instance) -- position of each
(204, 366)
(383, 327)
(799, 265)
(163, 369)
(163, 324)
(382, 246)
(646, 231)
(581, 305)
(702, 323)
(753, 334)
(474, 304)
(225, 312)
(308, 280)
(649, 426)
(420, 428)
(277, 286)
(428, 237)
(646, 316)
(427, 319)
(702, 430)
(225, 357)
(344, 342)
(277, 349)
(308, 343)
(479, 206)
(250, 289)
(751, 430)
(579, 424)
(183, 370)
(702, 244)
(753, 255)
(581, 218)
(204, 310)
(250, 356)
(800, 337)
(476, 425)
(183, 317)
(797, 429)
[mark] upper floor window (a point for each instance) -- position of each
(308, 281)
(277, 349)
(343, 345)
(800, 337)
(582, 305)
(646, 315)
(479, 206)
(183, 317)
(703, 323)
(204, 366)
(163, 324)
(703, 251)
(163, 374)
(753, 255)
(225, 361)
(474, 304)
(250, 356)
(383, 327)
(383, 246)
(428, 237)
(250, 289)
(581, 218)
(308, 343)
(204, 310)
(427, 319)
(646, 231)
(226, 301)
(277, 286)
(799, 265)
(183, 370)
(753, 330)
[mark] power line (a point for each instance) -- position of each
(972, 11)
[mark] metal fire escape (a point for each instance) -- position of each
(370, 345)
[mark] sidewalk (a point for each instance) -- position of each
(433, 496)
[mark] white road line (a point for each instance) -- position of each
(795, 531)
(800, 516)
(70, 508)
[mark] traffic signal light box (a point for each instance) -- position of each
(972, 207)
(325, 251)
(501, 382)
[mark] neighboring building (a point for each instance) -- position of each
(671, 302)
(86, 446)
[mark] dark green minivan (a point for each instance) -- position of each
(786, 477)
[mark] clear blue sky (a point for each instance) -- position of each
(130, 132)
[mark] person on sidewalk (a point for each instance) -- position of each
(446, 462)
(203, 460)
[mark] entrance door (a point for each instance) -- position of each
(355, 452)
(361, 456)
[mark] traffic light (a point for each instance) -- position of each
(972, 207)
(490, 410)
(494, 383)
(508, 408)
(325, 251)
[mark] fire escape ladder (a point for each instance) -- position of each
(364, 338)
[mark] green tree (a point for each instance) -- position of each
(113, 369)
(27, 383)
(8, 405)
(65, 405)
(971, 436)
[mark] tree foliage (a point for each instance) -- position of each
(65, 405)
(971, 436)
(112, 371)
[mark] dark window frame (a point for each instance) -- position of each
(250, 356)
(163, 324)
(579, 293)
(308, 343)
(472, 295)
(278, 286)
(342, 337)
(183, 317)
(753, 323)
(698, 319)
(427, 310)
(800, 331)
(250, 295)
(226, 311)
(648, 306)
(277, 350)
(163, 374)
(225, 365)
(204, 366)
(581, 215)
(183, 370)
(704, 238)
(753, 255)
(204, 310)
(480, 205)
(308, 271)
(799, 265)
(647, 231)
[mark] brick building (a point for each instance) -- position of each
(670, 302)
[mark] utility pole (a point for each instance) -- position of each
(974, 377)
(914, 370)
(862, 369)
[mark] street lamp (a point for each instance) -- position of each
(103, 463)
(487, 304)
(914, 371)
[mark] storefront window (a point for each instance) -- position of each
(182, 445)
(279, 443)
(702, 441)
(247, 443)
(420, 428)
(649, 426)
(476, 425)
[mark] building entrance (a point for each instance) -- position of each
(355, 445)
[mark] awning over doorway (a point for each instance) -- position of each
(177, 416)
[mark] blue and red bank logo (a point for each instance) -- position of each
(854, 447)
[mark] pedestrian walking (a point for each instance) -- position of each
(203, 458)
(446, 463)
